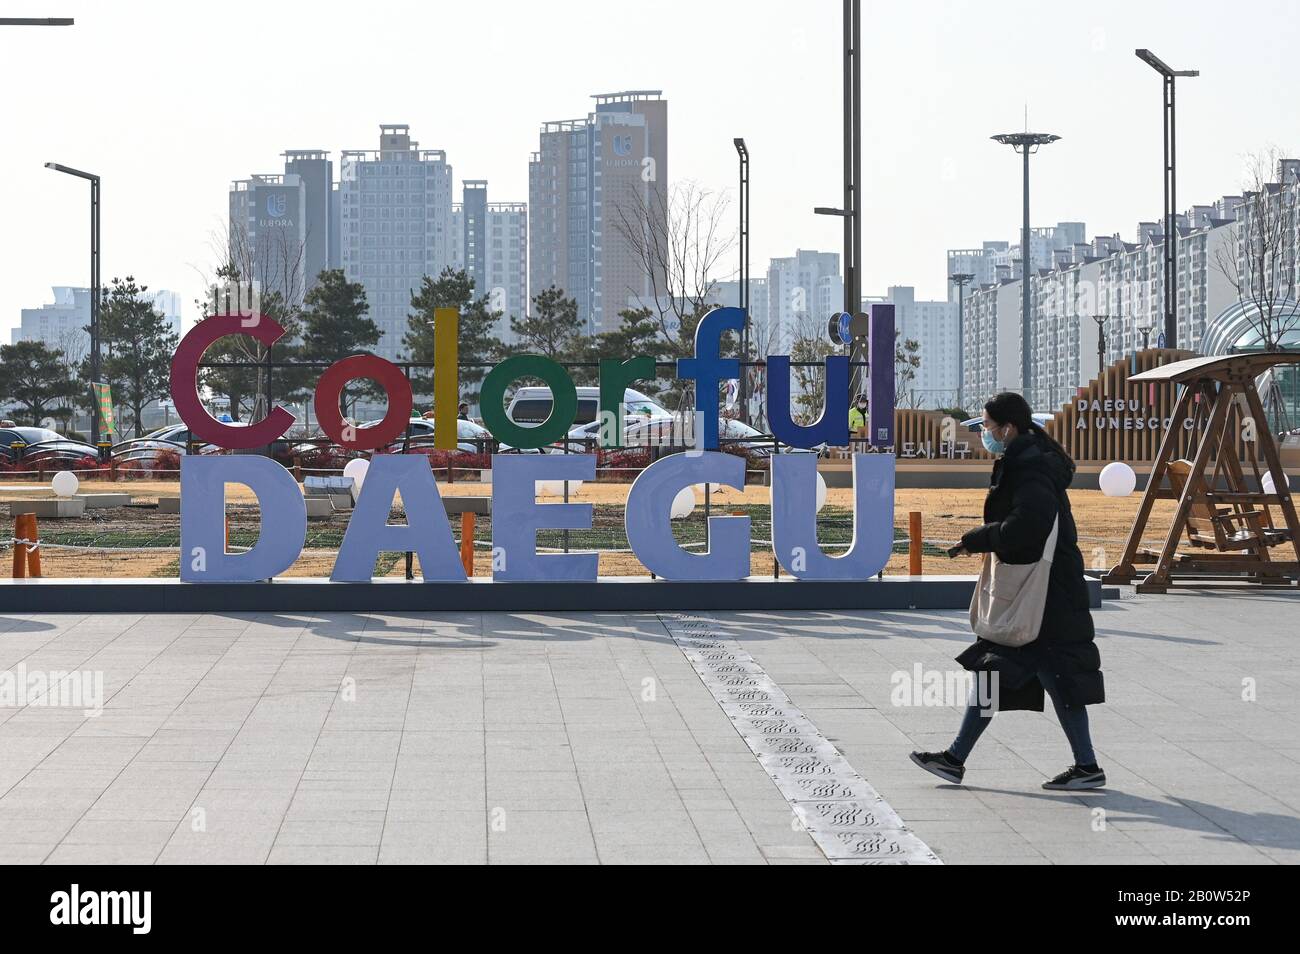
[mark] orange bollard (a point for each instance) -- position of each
(33, 552)
(20, 558)
(467, 542)
(914, 543)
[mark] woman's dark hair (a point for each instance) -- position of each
(1012, 408)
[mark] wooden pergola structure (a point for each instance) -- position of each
(1224, 515)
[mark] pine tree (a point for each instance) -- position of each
(141, 343)
(335, 324)
(477, 343)
(552, 327)
(33, 377)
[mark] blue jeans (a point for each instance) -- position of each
(1074, 720)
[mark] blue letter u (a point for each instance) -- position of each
(832, 427)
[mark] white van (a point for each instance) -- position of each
(532, 405)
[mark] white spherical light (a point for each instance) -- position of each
(1269, 485)
(1117, 479)
(683, 503)
(65, 484)
(356, 469)
(821, 492)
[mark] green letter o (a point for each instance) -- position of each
(564, 401)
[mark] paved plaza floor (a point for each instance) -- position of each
(583, 738)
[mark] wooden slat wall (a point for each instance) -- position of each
(1091, 444)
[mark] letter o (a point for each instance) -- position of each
(384, 373)
(564, 401)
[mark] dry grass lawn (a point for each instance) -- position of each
(1103, 524)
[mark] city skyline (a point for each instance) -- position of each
(164, 198)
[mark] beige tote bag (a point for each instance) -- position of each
(1009, 600)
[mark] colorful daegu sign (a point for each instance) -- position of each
(517, 516)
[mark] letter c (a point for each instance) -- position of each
(184, 386)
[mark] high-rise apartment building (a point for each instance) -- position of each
(933, 326)
(268, 233)
(395, 226)
(64, 323)
(490, 241)
(597, 187)
(316, 170)
(803, 290)
(282, 224)
(1107, 287)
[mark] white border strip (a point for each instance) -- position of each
(845, 816)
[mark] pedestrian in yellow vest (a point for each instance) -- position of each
(858, 413)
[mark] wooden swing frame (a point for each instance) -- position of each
(1228, 525)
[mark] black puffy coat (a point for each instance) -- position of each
(1027, 493)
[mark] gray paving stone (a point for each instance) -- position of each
(538, 723)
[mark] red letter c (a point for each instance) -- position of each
(185, 394)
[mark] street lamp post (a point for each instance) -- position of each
(1100, 321)
(94, 282)
(852, 208)
(1168, 170)
(743, 153)
(1025, 143)
(961, 280)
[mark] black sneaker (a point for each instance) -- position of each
(940, 764)
(1075, 778)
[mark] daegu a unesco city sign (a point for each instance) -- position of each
(516, 515)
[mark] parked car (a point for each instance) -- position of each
(976, 424)
(532, 405)
(171, 439)
(471, 438)
(733, 435)
(43, 445)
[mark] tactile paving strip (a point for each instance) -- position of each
(845, 816)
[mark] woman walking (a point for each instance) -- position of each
(1026, 498)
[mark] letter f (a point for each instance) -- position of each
(709, 370)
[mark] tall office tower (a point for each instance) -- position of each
(394, 226)
(597, 188)
(268, 233)
(316, 171)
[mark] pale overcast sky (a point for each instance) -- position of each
(169, 102)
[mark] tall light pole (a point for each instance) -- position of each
(961, 280)
(1168, 170)
(743, 153)
(1025, 143)
(852, 208)
(94, 283)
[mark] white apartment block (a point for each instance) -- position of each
(1108, 287)
(501, 257)
(395, 226)
(63, 323)
(803, 291)
(933, 325)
